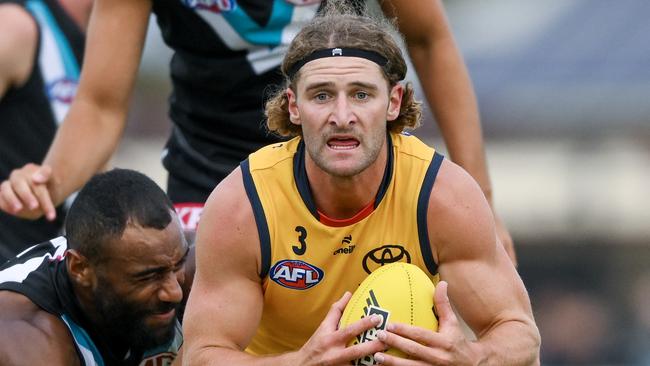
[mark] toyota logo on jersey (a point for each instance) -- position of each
(383, 255)
(62, 90)
(296, 275)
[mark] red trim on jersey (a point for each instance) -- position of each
(365, 212)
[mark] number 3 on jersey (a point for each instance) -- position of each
(300, 250)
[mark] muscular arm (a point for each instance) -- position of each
(226, 301)
(17, 46)
(225, 304)
(31, 336)
(483, 284)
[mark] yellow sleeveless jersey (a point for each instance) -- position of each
(307, 264)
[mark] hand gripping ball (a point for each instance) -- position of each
(399, 293)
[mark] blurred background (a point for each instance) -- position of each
(564, 92)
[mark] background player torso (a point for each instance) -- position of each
(226, 61)
(226, 57)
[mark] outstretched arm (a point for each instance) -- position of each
(92, 129)
(448, 89)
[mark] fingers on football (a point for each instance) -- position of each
(331, 321)
(446, 316)
(361, 350)
(341, 303)
(416, 348)
(386, 359)
(359, 327)
(420, 335)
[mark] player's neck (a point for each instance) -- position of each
(84, 299)
(111, 343)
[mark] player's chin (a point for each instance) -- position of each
(345, 168)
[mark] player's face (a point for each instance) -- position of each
(343, 105)
(139, 286)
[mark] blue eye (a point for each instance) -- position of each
(321, 97)
(361, 95)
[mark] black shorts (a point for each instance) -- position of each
(196, 165)
(188, 200)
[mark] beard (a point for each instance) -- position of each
(124, 321)
(370, 148)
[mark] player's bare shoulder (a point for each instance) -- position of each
(227, 227)
(229, 202)
(31, 335)
(458, 211)
(453, 187)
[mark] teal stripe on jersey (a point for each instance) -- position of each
(271, 34)
(45, 18)
(89, 352)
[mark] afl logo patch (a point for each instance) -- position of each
(296, 275)
(62, 90)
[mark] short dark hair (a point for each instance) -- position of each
(108, 203)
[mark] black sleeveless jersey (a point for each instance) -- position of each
(226, 62)
(40, 274)
(29, 114)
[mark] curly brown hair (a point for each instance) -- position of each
(338, 26)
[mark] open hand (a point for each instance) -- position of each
(26, 193)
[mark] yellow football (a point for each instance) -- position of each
(400, 293)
